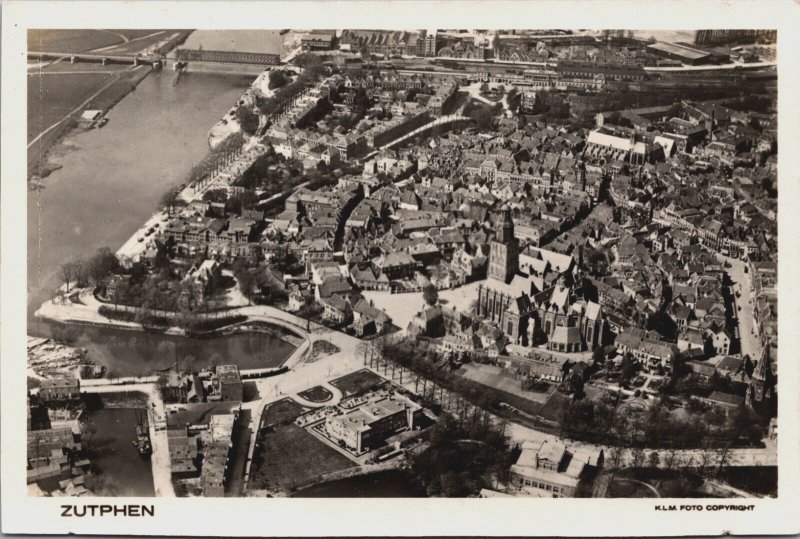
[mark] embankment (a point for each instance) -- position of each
(39, 152)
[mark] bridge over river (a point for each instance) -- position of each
(104, 58)
(209, 60)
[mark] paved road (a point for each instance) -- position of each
(746, 316)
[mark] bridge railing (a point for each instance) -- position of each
(227, 57)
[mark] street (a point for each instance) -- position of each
(746, 316)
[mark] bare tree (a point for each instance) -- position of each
(67, 273)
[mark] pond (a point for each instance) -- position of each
(388, 484)
(134, 353)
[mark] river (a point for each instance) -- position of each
(263, 41)
(113, 179)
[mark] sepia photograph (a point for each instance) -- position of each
(403, 263)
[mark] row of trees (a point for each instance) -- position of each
(83, 272)
(217, 158)
(658, 426)
(283, 98)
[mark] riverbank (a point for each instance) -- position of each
(43, 149)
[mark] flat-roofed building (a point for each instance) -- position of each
(676, 51)
(552, 469)
(371, 422)
(230, 383)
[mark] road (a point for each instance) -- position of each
(746, 316)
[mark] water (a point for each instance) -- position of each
(133, 353)
(263, 41)
(388, 484)
(114, 179)
(122, 472)
(670, 36)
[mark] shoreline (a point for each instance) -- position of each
(249, 325)
(40, 155)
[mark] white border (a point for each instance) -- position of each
(387, 517)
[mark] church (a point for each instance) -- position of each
(528, 315)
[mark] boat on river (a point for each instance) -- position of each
(142, 441)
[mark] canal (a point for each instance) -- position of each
(135, 353)
(120, 469)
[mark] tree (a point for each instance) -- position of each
(80, 270)
(67, 273)
(482, 118)
(430, 294)
(308, 304)
(168, 200)
(598, 356)
(248, 120)
(277, 78)
(215, 195)
(102, 264)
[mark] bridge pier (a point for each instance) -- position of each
(104, 61)
(72, 59)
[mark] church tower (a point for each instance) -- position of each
(504, 249)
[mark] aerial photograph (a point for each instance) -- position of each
(460, 263)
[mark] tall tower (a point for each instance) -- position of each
(504, 249)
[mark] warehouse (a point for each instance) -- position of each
(676, 51)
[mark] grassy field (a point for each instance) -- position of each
(71, 40)
(82, 40)
(357, 382)
(630, 488)
(281, 411)
(288, 456)
(51, 97)
(492, 376)
(316, 394)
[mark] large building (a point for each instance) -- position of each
(555, 316)
(60, 388)
(682, 53)
(605, 144)
(504, 249)
(550, 469)
(230, 383)
(368, 423)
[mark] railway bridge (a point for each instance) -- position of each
(259, 59)
(104, 58)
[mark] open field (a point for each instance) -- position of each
(630, 488)
(357, 382)
(282, 411)
(288, 456)
(88, 40)
(51, 97)
(73, 40)
(491, 376)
